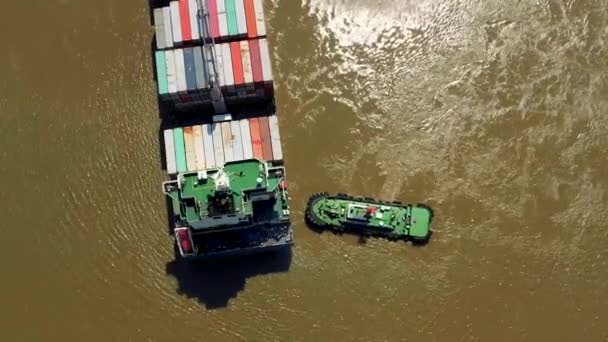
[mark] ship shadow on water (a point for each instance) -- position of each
(215, 282)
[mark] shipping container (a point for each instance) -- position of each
(214, 28)
(201, 70)
(231, 18)
(195, 31)
(190, 70)
(227, 60)
(168, 28)
(246, 139)
(176, 23)
(241, 20)
(218, 144)
(246, 60)
(275, 137)
(161, 72)
(266, 141)
(180, 71)
(256, 139)
(159, 26)
(260, 22)
(237, 144)
(184, 14)
(227, 142)
(180, 150)
(237, 64)
(199, 147)
(219, 63)
(221, 18)
(265, 57)
(208, 145)
(256, 61)
(170, 152)
(251, 22)
(190, 152)
(171, 77)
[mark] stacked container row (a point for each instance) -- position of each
(242, 69)
(201, 147)
(182, 21)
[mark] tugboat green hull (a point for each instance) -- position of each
(370, 217)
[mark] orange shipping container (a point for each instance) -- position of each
(256, 139)
(252, 31)
(237, 63)
(266, 141)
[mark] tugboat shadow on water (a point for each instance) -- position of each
(363, 238)
(214, 282)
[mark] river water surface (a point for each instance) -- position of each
(493, 112)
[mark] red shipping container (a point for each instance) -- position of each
(252, 30)
(266, 141)
(256, 139)
(237, 63)
(256, 61)
(184, 14)
(213, 20)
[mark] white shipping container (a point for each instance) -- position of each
(171, 77)
(194, 22)
(259, 17)
(189, 145)
(175, 22)
(246, 60)
(208, 145)
(265, 57)
(159, 26)
(218, 144)
(168, 28)
(219, 63)
(241, 19)
(222, 18)
(246, 139)
(170, 152)
(228, 141)
(275, 137)
(180, 70)
(228, 74)
(237, 143)
(199, 147)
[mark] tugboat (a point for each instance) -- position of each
(238, 208)
(367, 216)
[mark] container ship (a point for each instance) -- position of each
(226, 187)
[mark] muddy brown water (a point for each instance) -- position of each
(493, 112)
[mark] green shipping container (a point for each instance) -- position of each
(180, 150)
(233, 29)
(161, 72)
